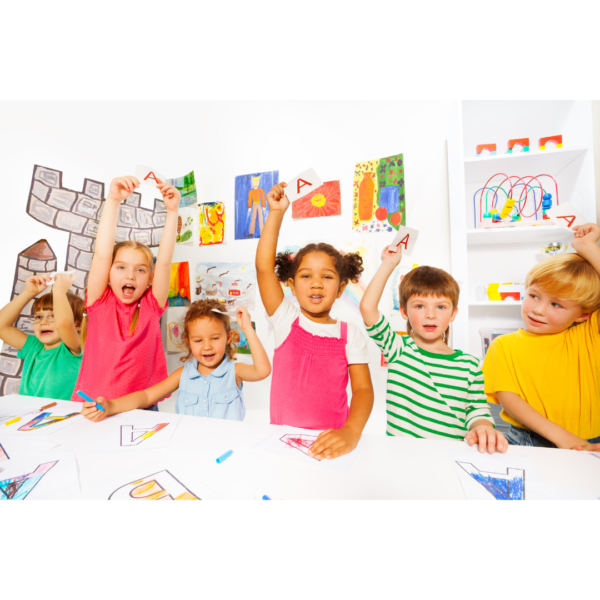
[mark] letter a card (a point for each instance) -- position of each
(405, 240)
(565, 216)
(147, 175)
(303, 184)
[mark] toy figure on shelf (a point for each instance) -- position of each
(499, 292)
(491, 148)
(554, 248)
(523, 142)
(554, 139)
(515, 201)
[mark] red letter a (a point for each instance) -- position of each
(303, 184)
(151, 175)
(570, 219)
(404, 241)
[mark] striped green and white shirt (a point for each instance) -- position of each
(429, 395)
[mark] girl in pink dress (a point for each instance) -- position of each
(126, 295)
(314, 354)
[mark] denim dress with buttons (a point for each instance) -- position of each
(216, 395)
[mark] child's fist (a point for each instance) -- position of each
(243, 318)
(277, 199)
(585, 234)
(170, 194)
(121, 188)
(390, 257)
(89, 410)
(63, 282)
(36, 284)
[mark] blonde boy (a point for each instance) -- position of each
(546, 376)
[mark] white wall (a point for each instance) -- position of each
(220, 140)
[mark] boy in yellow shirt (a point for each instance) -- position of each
(546, 376)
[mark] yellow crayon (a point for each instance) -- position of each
(13, 421)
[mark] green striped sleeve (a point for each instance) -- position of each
(387, 340)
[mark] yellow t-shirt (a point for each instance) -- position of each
(556, 374)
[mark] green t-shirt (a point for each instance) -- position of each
(48, 373)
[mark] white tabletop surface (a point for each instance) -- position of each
(386, 468)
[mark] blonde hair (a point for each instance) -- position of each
(136, 246)
(567, 276)
(428, 281)
(203, 309)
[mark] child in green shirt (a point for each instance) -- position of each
(52, 355)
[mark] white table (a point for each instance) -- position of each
(386, 468)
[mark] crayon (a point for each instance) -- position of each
(224, 456)
(86, 397)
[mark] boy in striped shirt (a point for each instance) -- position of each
(432, 391)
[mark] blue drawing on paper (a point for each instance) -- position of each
(251, 207)
(17, 488)
(503, 486)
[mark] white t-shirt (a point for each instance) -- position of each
(282, 319)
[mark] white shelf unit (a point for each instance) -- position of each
(502, 255)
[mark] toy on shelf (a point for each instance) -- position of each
(523, 142)
(513, 202)
(499, 292)
(556, 139)
(554, 248)
(481, 147)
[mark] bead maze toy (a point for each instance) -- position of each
(481, 147)
(523, 142)
(555, 139)
(518, 204)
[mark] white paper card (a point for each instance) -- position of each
(155, 481)
(13, 447)
(137, 431)
(507, 476)
(293, 443)
(148, 176)
(406, 238)
(565, 216)
(47, 475)
(42, 423)
(302, 184)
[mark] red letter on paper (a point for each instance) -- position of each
(151, 175)
(404, 241)
(569, 219)
(303, 184)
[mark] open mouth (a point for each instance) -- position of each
(46, 332)
(208, 357)
(128, 291)
(316, 298)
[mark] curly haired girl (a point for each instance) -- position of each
(314, 354)
(210, 385)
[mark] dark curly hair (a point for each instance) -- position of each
(203, 309)
(349, 266)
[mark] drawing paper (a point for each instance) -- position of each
(303, 184)
(156, 481)
(565, 216)
(13, 447)
(233, 284)
(42, 423)
(185, 226)
(148, 176)
(49, 475)
(138, 430)
(175, 319)
(405, 239)
(293, 443)
(325, 201)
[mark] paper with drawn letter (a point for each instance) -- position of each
(565, 216)
(302, 184)
(405, 239)
(148, 176)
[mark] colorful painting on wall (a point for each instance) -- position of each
(240, 339)
(233, 284)
(212, 223)
(187, 188)
(378, 202)
(185, 227)
(251, 208)
(175, 319)
(325, 201)
(179, 290)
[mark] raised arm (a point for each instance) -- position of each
(120, 188)
(370, 300)
(268, 284)
(63, 314)
(10, 313)
(261, 366)
(132, 401)
(162, 268)
(585, 242)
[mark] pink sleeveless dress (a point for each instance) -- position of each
(310, 376)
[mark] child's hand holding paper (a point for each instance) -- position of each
(405, 240)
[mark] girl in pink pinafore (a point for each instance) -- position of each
(126, 295)
(314, 354)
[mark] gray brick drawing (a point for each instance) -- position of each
(38, 259)
(79, 214)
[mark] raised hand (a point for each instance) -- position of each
(585, 234)
(170, 194)
(391, 258)
(122, 187)
(63, 282)
(277, 199)
(243, 319)
(37, 284)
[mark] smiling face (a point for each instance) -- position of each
(429, 316)
(208, 341)
(316, 284)
(130, 275)
(45, 331)
(543, 313)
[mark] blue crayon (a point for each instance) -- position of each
(86, 397)
(224, 456)
(265, 497)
